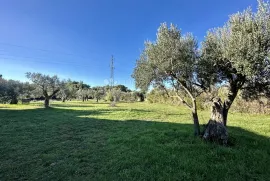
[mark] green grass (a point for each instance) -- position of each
(135, 141)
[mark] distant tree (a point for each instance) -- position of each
(45, 84)
(64, 92)
(116, 93)
(98, 92)
(72, 87)
(82, 91)
(10, 91)
(79, 94)
(89, 94)
(27, 91)
(237, 54)
(109, 96)
(171, 60)
(121, 88)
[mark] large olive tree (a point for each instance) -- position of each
(45, 84)
(170, 63)
(237, 54)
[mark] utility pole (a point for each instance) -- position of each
(112, 73)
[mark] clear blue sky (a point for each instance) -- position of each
(76, 38)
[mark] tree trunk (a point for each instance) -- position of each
(196, 123)
(63, 99)
(46, 102)
(217, 113)
(141, 97)
(195, 118)
(97, 100)
(225, 116)
(227, 104)
(48, 97)
(14, 100)
(215, 129)
(235, 85)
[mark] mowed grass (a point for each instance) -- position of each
(133, 141)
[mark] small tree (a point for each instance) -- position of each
(45, 84)
(64, 92)
(97, 93)
(238, 55)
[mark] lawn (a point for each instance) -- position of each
(133, 141)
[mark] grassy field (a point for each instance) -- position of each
(133, 141)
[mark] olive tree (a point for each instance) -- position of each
(170, 63)
(65, 91)
(45, 84)
(237, 55)
(97, 93)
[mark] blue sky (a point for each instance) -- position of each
(76, 38)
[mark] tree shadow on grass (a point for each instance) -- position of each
(61, 144)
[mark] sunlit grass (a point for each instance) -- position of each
(133, 141)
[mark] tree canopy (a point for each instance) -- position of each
(170, 60)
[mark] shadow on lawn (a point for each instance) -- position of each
(70, 105)
(61, 144)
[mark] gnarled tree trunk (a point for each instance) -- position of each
(228, 102)
(48, 97)
(235, 83)
(215, 130)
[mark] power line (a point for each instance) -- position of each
(51, 62)
(35, 58)
(40, 49)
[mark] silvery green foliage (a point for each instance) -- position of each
(168, 60)
(239, 51)
(45, 84)
(170, 63)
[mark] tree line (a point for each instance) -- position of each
(45, 87)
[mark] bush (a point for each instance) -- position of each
(109, 96)
(159, 96)
(128, 97)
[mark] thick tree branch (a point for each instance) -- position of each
(54, 92)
